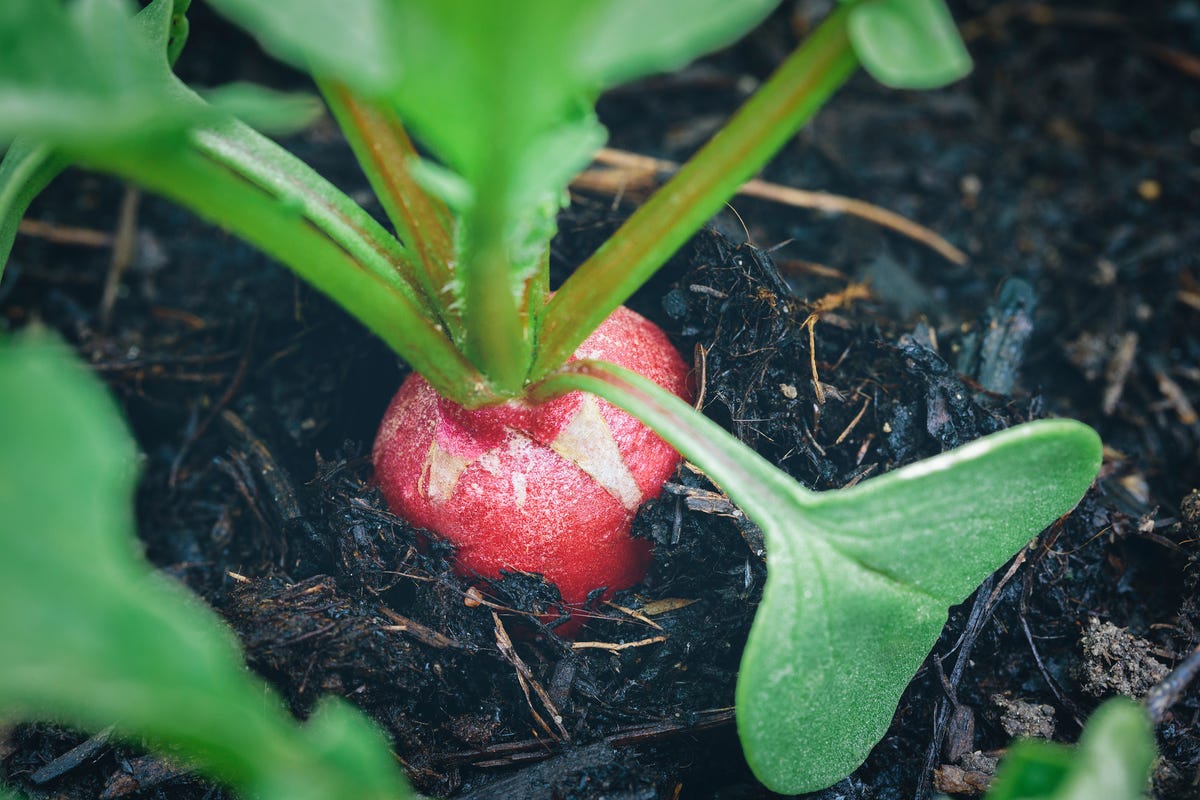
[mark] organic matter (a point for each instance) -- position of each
(549, 488)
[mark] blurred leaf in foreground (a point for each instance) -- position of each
(93, 636)
(1112, 761)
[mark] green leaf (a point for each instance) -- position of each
(93, 636)
(235, 177)
(860, 581)
(1113, 760)
(656, 231)
(520, 140)
(92, 75)
(177, 32)
(264, 109)
(440, 62)
(859, 590)
(350, 40)
(27, 169)
(909, 44)
(29, 165)
(502, 94)
(60, 85)
(85, 74)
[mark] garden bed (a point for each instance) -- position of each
(1065, 167)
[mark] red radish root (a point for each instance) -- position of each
(550, 488)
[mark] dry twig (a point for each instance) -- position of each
(64, 234)
(527, 681)
(632, 171)
(618, 646)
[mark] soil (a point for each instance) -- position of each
(1066, 166)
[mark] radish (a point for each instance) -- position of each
(549, 488)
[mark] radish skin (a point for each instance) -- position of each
(549, 489)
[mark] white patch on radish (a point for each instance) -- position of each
(490, 461)
(440, 474)
(518, 485)
(588, 443)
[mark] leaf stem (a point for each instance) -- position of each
(753, 483)
(334, 259)
(498, 333)
(27, 168)
(760, 128)
(424, 223)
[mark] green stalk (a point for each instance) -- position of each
(497, 336)
(333, 262)
(386, 154)
(27, 169)
(254, 157)
(659, 228)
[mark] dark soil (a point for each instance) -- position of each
(1067, 166)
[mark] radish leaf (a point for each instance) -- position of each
(27, 169)
(93, 76)
(1113, 760)
(93, 636)
(515, 141)
(860, 580)
(908, 44)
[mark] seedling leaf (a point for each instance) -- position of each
(860, 581)
(91, 76)
(515, 142)
(54, 96)
(93, 636)
(882, 563)
(908, 44)
(535, 128)
(1112, 760)
(349, 40)
(27, 168)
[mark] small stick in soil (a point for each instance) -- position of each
(945, 716)
(418, 631)
(854, 422)
(1118, 371)
(823, 305)
(527, 681)
(614, 647)
(809, 267)
(124, 247)
(979, 615)
(140, 774)
(665, 605)
(237, 471)
(811, 324)
(631, 170)
(1189, 298)
(635, 613)
(1023, 615)
(704, 500)
(64, 234)
(700, 358)
(279, 485)
(1176, 398)
(73, 758)
(511, 753)
(1008, 575)
(1160, 699)
(473, 598)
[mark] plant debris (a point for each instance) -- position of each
(1117, 662)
